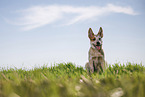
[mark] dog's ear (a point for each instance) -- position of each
(90, 34)
(100, 32)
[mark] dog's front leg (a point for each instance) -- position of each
(101, 63)
(91, 65)
(102, 66)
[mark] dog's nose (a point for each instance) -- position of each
(98, 43)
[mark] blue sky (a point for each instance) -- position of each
(34, 32)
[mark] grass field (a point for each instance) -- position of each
(68, 80)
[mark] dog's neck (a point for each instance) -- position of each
(94, 48)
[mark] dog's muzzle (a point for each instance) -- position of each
(98, 46)
(98, 43)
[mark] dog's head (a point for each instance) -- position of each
(96, 40)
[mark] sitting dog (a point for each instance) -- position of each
(96, 53)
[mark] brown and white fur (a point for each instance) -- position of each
(96, 53)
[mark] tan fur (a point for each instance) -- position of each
(96, 57)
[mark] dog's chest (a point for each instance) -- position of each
(94, 54)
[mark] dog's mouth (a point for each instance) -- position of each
(98, 47)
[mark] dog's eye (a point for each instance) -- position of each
(99, 38)
(94, 39)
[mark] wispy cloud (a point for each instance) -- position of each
(38, 16)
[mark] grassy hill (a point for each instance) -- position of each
(68, 80)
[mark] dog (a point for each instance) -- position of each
(96, 53)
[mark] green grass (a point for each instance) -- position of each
(68, 80)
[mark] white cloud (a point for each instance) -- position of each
(119, 9)
(38, 16)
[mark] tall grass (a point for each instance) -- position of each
(68, 80)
